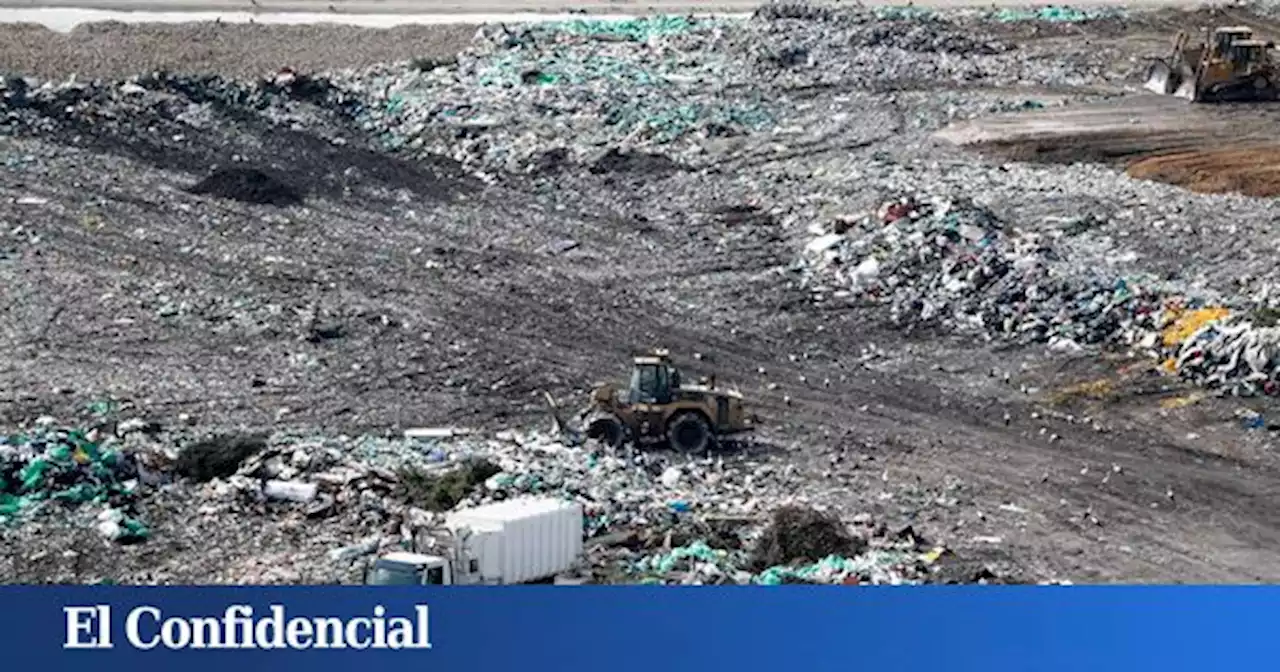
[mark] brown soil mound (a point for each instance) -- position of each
(1253, 171)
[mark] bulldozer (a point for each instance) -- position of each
(660, 407)
(1229, 66)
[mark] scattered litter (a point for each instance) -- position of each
(433, 433)
(291, 491)
(51, 466)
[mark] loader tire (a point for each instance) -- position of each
(607, 430)
(689, 433)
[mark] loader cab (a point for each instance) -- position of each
(654, 380)
(409, 569)
(1245, 53)
(1224, 38)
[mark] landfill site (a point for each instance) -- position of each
(821, 294)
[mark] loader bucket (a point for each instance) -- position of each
(1162, 79)
(1187, 90)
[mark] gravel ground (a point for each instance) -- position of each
(434, 284)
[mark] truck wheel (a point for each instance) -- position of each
(689, 433)
(607, 431)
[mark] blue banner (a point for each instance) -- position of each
(638, 628)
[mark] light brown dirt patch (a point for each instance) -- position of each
(1252, 171)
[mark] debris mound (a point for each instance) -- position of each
(797, 533)
(218, 457)
(952, 263)
(247, 185)
(68, 467)
(1230, 353)
(643, 163)
(441, 492)
(793, 10)
(60, 465)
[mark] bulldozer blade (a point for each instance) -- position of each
(1160, 78)
(1187, 91)
(557, 421)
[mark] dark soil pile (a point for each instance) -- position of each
(441, 492)
(799, 534)
(248, 185)
(218, 457)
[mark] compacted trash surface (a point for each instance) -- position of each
(997, 320)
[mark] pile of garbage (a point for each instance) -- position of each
(936, 260)
(66, 467)
(650, 516)
(1237, 353)
(952, 263)
(406, 485)
(798, 545)
(532, 98)
(28, 106)
(616, 492)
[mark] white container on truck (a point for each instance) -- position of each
(522, 540)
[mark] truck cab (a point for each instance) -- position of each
(410, 569)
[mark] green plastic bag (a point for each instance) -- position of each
(132, 530)
(79, 493)
(10, 505)
(32, 475)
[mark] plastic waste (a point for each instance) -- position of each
(637, 30)
(116, 526)
(1053, 14)
(64, 466)
(1188, 322)
(290, 491)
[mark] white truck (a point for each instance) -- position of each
(526, 540)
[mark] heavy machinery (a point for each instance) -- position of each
(525, 540)
(1230, 66)
(658, 406)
